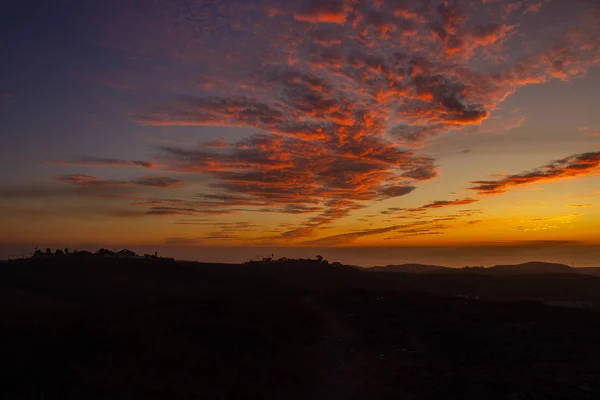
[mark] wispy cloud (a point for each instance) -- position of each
(345, 238)
(23, 192)
(151, 181)
(580, 205)
(103, 162)
(577, 165)
(195, 240)
(444, 203)
(433, 226)
(526, 243)
(295, 176)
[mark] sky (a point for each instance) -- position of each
(358, 127)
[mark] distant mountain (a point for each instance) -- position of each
(412, 268)
(528, 268)
(534, 267)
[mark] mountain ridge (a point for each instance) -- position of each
(529, 267)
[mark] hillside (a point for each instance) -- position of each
(528, 268)
(411, 268)
(158, 329)
(535, 267)
(595, 271)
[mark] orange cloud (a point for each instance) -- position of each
(77, 179)
(407, 81)
(585, 164)
(444, 203)
(533, 7)
(318, 11)
(285, 174)
(350, 237)
(338, 92)
(315, 16)
(417, 228)
(491, 33)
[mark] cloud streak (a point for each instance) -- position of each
(103, 162)
(578, 165)
(93, 181)
(443, 204)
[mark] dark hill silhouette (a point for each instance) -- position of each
(528, 268)
(535, 267)
(99, 327)
(411, 268)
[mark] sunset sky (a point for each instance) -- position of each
(301, 124)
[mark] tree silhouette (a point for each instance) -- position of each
(105, 252)
(48, 251)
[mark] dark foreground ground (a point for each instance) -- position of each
(110, 329)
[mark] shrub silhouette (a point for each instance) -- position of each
(105, 252)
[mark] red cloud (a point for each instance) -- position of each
(327, 11)
(77, 179)
(318, 11)
(277, 172)
(491, 33)
(415, 82)
(573, 166)
(339, 90)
